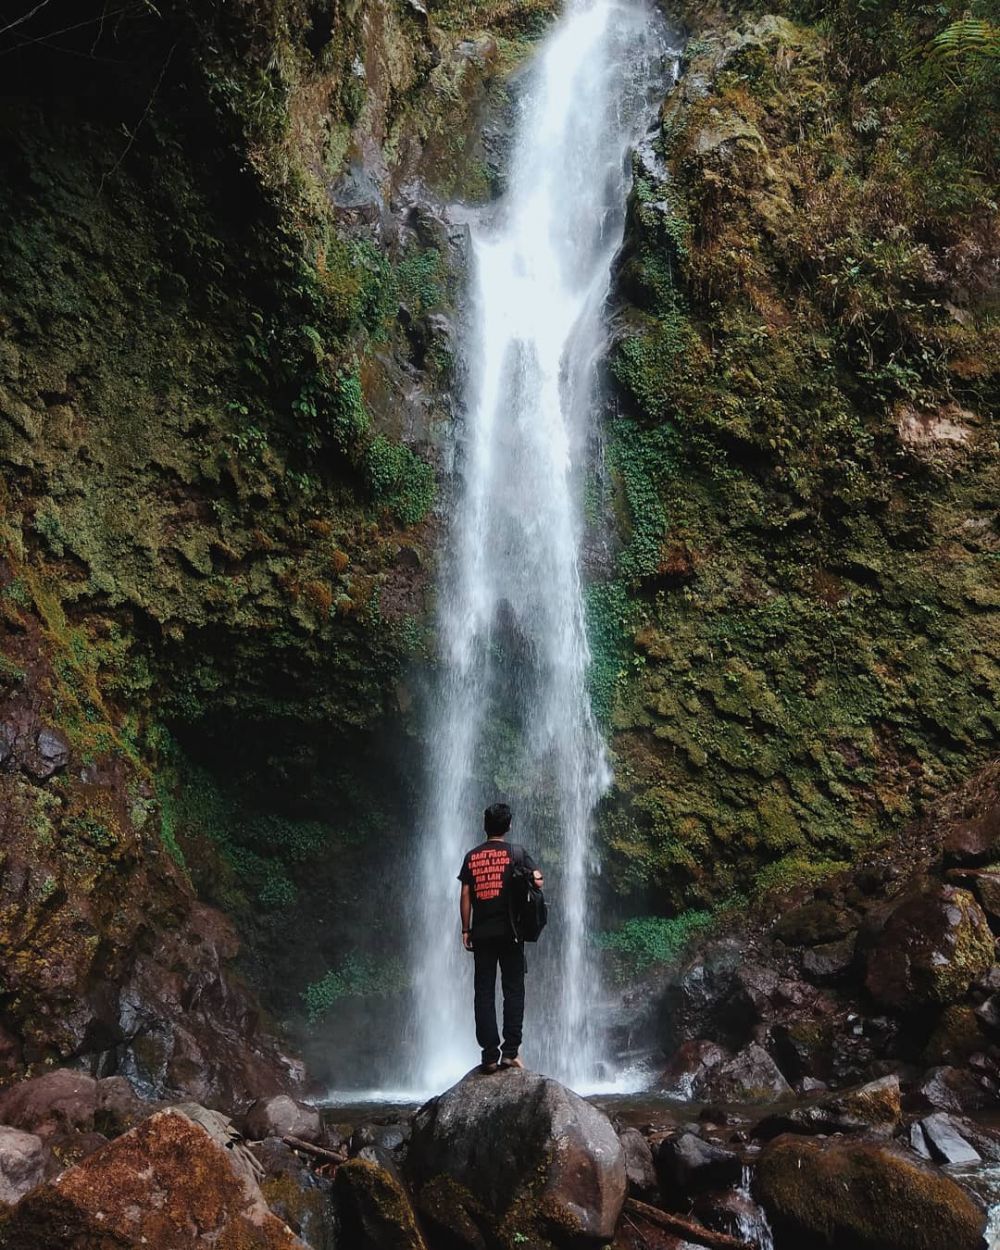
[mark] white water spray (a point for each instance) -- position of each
(513, 717)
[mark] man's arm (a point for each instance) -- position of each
(465, 909)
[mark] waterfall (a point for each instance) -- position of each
(512, 717)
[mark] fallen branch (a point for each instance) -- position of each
(687, 1229)
(319, 1152)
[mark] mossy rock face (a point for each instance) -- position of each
(825, 660)
(933, 946)
(374, 1208)
(862, 1196)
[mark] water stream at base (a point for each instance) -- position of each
(512, 715)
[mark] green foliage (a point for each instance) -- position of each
(263, 850)
(968, 39)
(420, 280)
(358, 976)
(608, 614)
(399, 479)
(644, 941)
(349, 419)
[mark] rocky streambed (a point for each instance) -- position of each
(495, 1162)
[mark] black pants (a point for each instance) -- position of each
(510, 956)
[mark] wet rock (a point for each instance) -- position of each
(973, 843)
(952, 1089)
(58, 1102)
(870, 1108)
(988, 1013)
(752, 1076)
(639, 1167)
(296, 1195)
(918, 1142)
(862, 1195)
(931, 949)
(22, 1163)
(728, 1211)
(688, 1072)
(831, 961)
(686, 1163)
(374, 1208)
(525, 1151)
(391, 1137)
(166, 1184)
(986, 888)
(955, 1037)
(811, 1085)
(947, 1145)
(708, 998)
(281, 1116)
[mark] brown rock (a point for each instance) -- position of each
(58, 1102)
(870, 1108)
(282, 1116)
(865, 1195)
(639, 1167)
(687, 1163)
(954, 1089)
(166, 1184)
(933, 946)
(689, 1068)
(973, 843)
(752, 1076)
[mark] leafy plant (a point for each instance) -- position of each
(646, 940)
(358, 976)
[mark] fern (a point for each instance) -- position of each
(967, 39)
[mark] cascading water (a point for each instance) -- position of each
(512, 717)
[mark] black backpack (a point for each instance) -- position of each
(525, 901)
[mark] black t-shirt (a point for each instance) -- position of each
(487, 869)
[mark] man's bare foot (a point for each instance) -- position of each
(512, 1062)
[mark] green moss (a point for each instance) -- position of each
(787, 655)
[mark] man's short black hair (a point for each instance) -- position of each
(496, 819)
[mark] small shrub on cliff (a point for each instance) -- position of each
(647, 940)
(359, 976)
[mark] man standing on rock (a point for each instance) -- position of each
(487, 932)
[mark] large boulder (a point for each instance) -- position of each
(931, 949)
(167, 1184)
(518, 1153)
(858, 1195)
